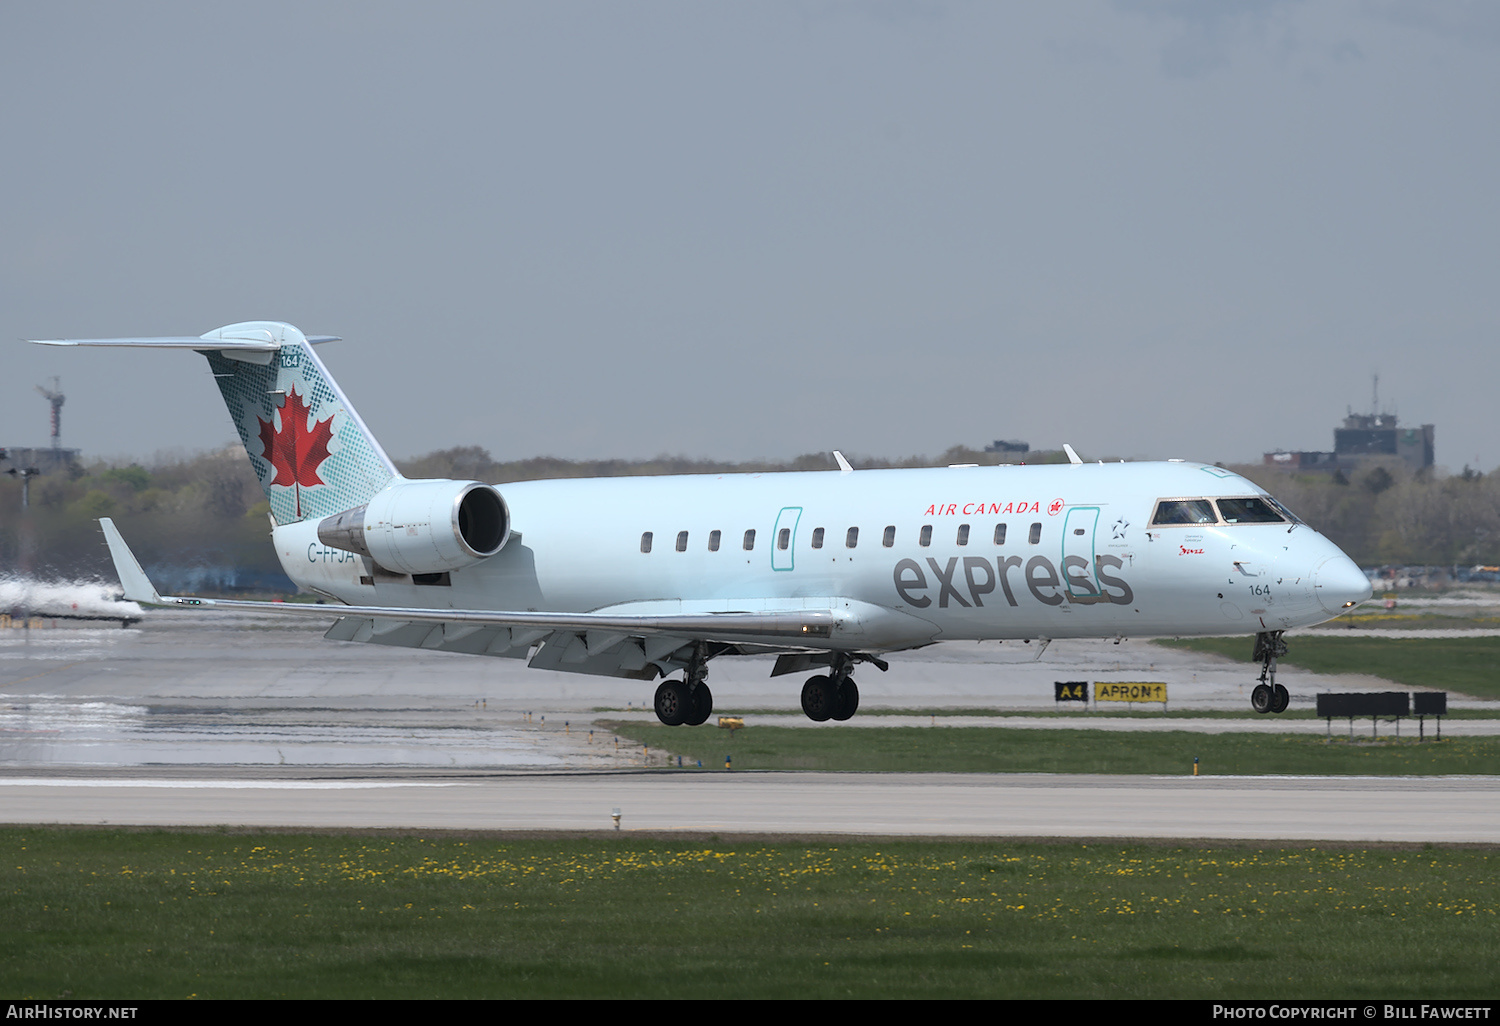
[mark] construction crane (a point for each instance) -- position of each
(54, 396)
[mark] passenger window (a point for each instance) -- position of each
(999, 534)
(784, 539)
(963, 534)
(1036, 533)
(713, 541)
(750, 539)
(646, 542)
(681, 541)
(1172, 512)
(890, 536)
(817, 537)
(925, 538)
(852, 538)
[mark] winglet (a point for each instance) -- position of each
(138, 587)
(844, 467)
(1072, 456)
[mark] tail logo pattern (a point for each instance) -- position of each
(298, 448)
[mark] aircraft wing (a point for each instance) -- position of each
(601, 643)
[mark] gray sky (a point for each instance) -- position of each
(1161, 228)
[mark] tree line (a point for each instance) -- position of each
(207, 511)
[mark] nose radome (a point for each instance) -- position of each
(1339, 584)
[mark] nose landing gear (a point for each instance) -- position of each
(1269, 696)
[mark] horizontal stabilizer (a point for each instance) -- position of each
(166, 342)
(204, 342)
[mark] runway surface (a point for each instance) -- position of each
(197, 719)
(198, 689)
(982, 805)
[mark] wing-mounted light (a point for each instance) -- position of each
(423, 527)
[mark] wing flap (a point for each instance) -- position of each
(612, 655)
(467, 639)
(572, 653)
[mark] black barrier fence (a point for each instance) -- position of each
(1429, 703)
(1375, 704)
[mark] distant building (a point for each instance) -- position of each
(1364, 437)
(1302, 460)
(1008, 446)
(1376, 434)
(42, 460)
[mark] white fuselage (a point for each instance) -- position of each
(1076, 556)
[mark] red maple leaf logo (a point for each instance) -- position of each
(297, 450)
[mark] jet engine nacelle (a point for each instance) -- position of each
(423, 527)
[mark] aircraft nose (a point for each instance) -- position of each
(1339, 584)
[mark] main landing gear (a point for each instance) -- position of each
(688, 700)
(834, 697)
(1269, 696)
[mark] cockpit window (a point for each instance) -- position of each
(1278, 507)
(1171, 512)
(1252, 510)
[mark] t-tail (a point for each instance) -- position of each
(316, 461)
(313, 455)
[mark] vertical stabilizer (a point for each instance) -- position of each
(313, 455)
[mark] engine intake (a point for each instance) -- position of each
(423, 527)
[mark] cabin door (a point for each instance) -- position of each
(784, 538)
(1080, 574)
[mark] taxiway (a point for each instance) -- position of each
(193, 719)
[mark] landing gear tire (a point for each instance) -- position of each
(848, 700)
(703, 706)
(1261, 699)
(1280, 700)
(673, 703)
(1269, 696)
(820, 699)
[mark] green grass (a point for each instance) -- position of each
(1469, 666)
(1027, 750)
(115, 914)
(1402, 620)
(1126, 711)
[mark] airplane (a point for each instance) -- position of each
(645, 578)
